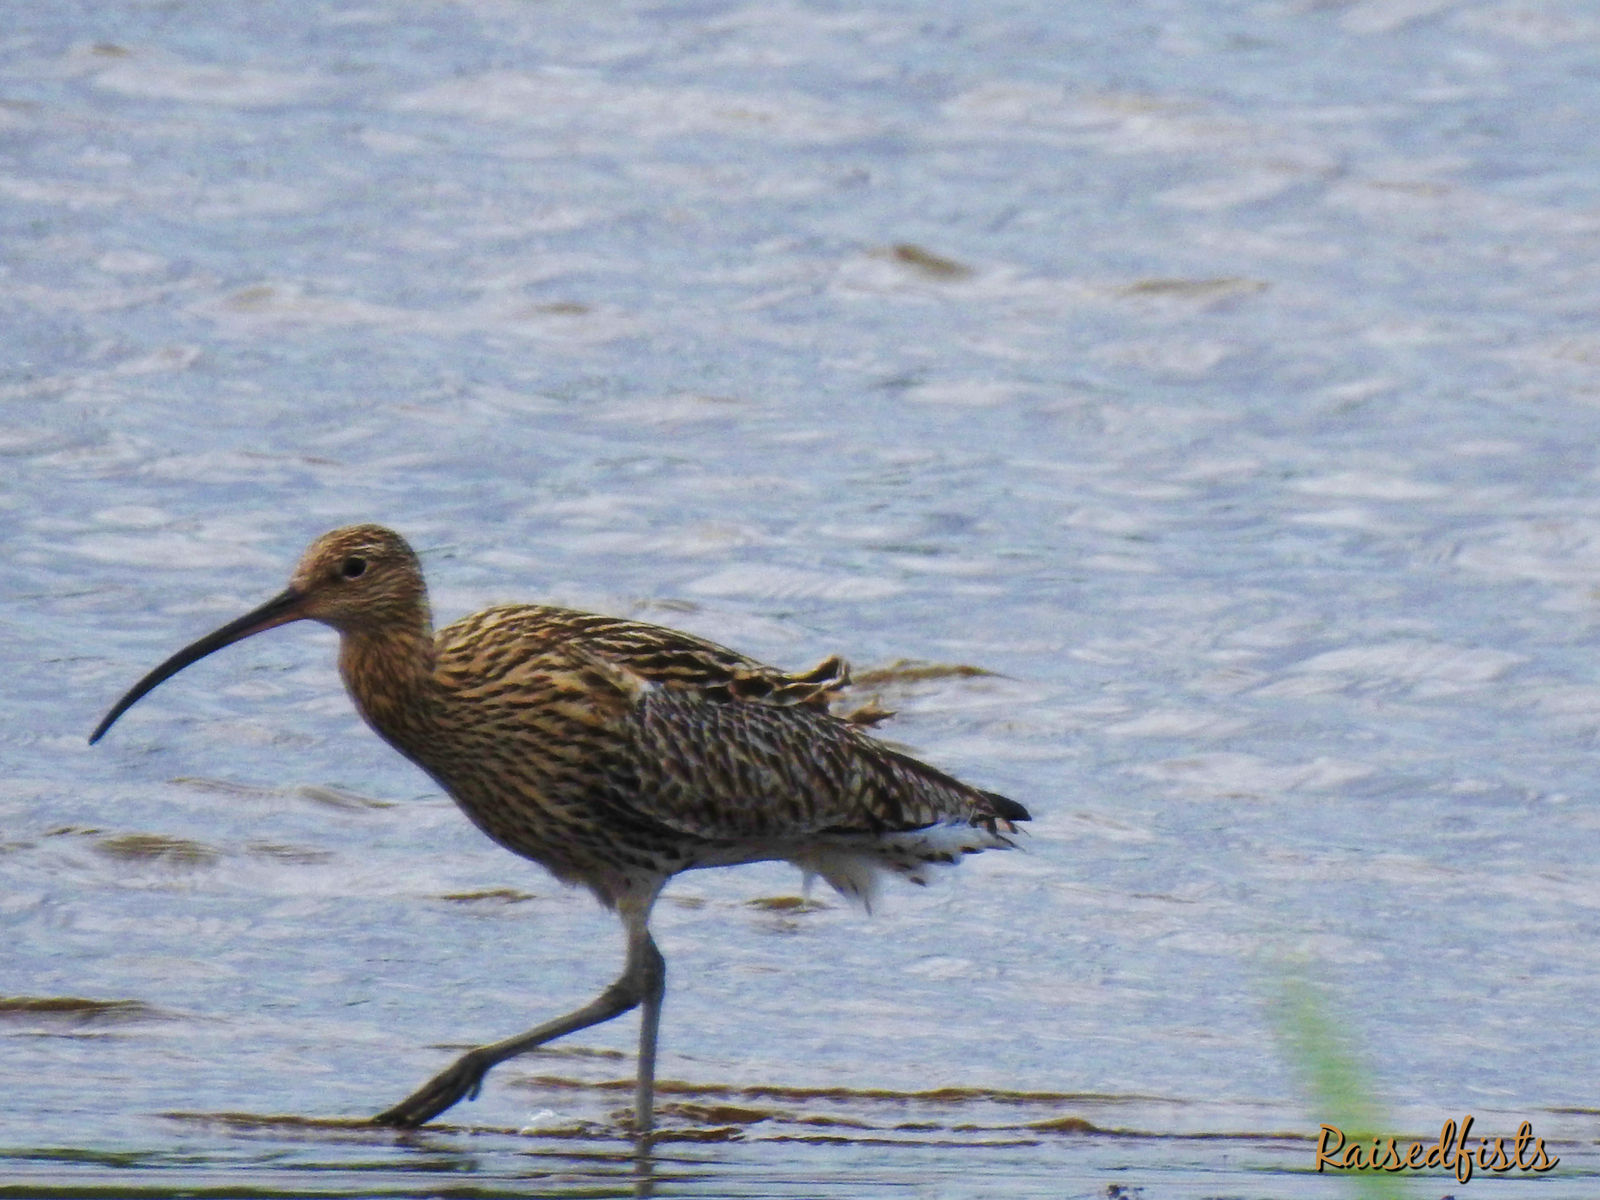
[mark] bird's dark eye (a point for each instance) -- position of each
(353, 567)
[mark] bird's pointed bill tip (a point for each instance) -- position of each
(280, 610)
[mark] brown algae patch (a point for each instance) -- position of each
(865, 1114)
(925, 262)
(1065, 1125)
(333, 1129)
(489, 896)
(1204, 293)
(76, 1010)
(158, 848)
(223, 787)
(559, 308)
(906, 670)
(556, 1050)
(785, 904)
(773, 1091)
(722, 1133)
(723, 1114)
(339, 798)
(296, 855)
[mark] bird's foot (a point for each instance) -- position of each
(459, 1081)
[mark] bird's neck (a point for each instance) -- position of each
(389, 675)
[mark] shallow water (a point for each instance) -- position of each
(1219, 381)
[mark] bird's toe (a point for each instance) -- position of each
(460, 1081)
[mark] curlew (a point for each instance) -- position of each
(615, 754)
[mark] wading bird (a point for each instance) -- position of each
(615, 754)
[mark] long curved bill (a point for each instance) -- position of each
(280, 610)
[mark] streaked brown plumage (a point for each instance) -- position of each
(616, 754)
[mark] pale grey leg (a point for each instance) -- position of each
(649, 1024)
(642, 982)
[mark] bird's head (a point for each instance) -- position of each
(359, 579)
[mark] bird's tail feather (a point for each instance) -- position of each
(854, 864)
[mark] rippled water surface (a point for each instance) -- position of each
(1183, 414)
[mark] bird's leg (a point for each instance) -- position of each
(649, 1024)
(463, 1077)
(642, 980)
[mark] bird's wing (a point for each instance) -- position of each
(695, 737)
(726, 770)
(659, 655)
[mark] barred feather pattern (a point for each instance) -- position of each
(617, 753)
